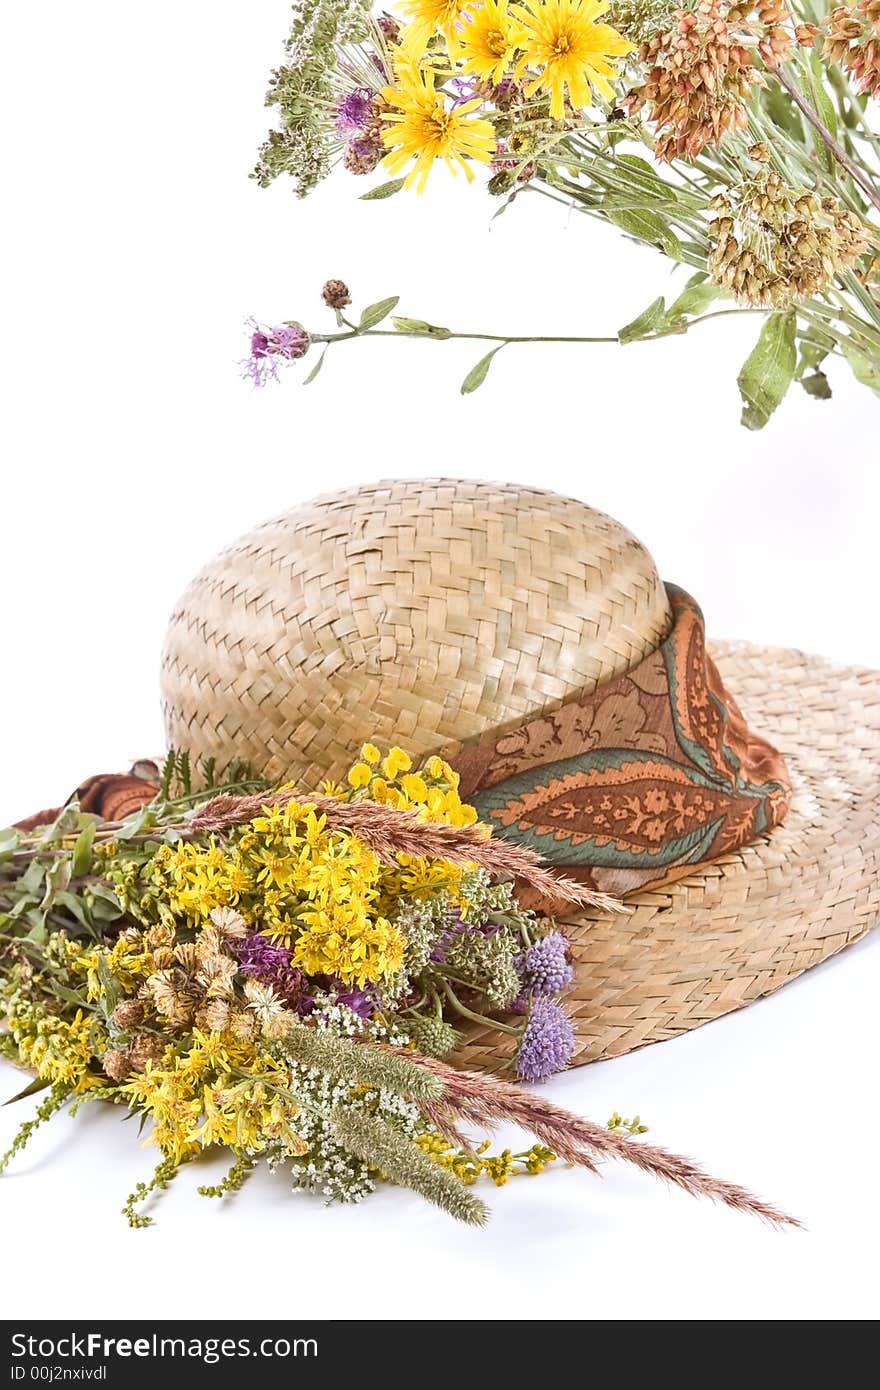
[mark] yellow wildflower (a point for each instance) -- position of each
(562, 40)
(414, 788)
(370, 753)
(488, 41)
(423, 127)
(396, 762)
(359, 776)
(343, 940)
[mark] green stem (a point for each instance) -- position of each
(827, 138)
(469, 1014)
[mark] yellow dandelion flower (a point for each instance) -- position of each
(429, 17)
(359, 776)
(488, 42)
(562, 40)
(423, 128)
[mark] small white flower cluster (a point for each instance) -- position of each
(329, 1168)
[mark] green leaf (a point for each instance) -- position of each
(647, 226)
(477, 374)
(375, 313)
(82, 851)
(826, 109)
(768, 371)
(384, 190)
(694, 300)
(419, 326)
(311, 376)
(57, 879)
(654, 317)
(111, 990)
(864, 369)
(31, 1089)
(817, 385)
(10, 839)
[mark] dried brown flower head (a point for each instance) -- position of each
(229, 923)
(161, 934)
(335, 294)
(774, 244)
(701, 71)
(117, 1063)
(852, 40)
(213, 1016)
(128, 1013)
(145, 1048)
(171, 994)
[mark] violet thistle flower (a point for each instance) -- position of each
(286, 342)
(355, 112)
(547, 1042)
(546, 966)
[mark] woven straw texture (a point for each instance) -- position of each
(426, 613)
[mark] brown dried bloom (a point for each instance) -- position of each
(852, 40)
(335, 294)
(128, 1013)
(775, 244)
(213, 1017)
(116, 1063)
(701, 71)
(229, 923)
(145, 1048)
(160, 934)
(171, 994)
(243, 1026)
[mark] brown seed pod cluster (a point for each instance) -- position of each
(773, 244)
(701, 71)
(852, 40)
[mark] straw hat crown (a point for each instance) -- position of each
(422, 613)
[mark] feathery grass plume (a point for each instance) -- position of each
(701, 71)
(852, 39)
(361, 1063)
(303, 91)
(405, 1163)
(775, 244)
(389, 832)
(487, 1100)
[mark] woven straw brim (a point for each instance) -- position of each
(746, 925)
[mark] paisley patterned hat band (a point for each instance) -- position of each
(640, 781)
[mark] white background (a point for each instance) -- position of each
(135, 246)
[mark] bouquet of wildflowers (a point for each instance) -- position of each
(737, 138)
(283, 976)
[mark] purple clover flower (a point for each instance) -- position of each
(355, 112)
(257, 956)
(288, 341)
(546, 966)
(547, 1042)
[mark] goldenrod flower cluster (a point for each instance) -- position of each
(58, 1049)
(468, 1165)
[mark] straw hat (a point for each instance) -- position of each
(431, 613)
